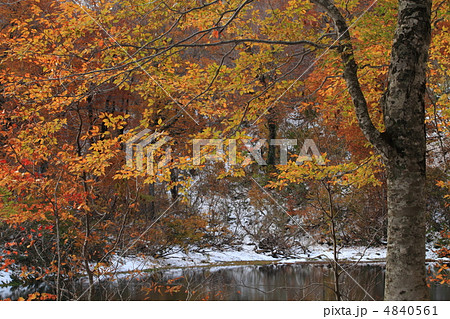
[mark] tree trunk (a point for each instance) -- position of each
(402, 145)
(404, 118)
(405, 264)
(272, 126)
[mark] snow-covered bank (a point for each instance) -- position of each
(5, 277)
(247, 254)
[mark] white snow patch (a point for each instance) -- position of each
(5, 277)
(212, 257)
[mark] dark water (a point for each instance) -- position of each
(268, 282)
(248, 282)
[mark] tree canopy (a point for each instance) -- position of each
(78, 79)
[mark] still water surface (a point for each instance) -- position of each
(253, 282)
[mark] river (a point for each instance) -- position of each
(254, 282)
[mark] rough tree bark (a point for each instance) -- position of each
(403, 143)
(404, 117)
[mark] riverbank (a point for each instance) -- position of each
(243, 255)
(247, 254)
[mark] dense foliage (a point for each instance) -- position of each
(79, 78)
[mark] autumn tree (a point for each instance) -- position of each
(78, 79)
(402, 141)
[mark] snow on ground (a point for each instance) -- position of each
(247, 254)
(5, 277)
(192, 258)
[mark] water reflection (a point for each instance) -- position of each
(268, 282)
(249, 282)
